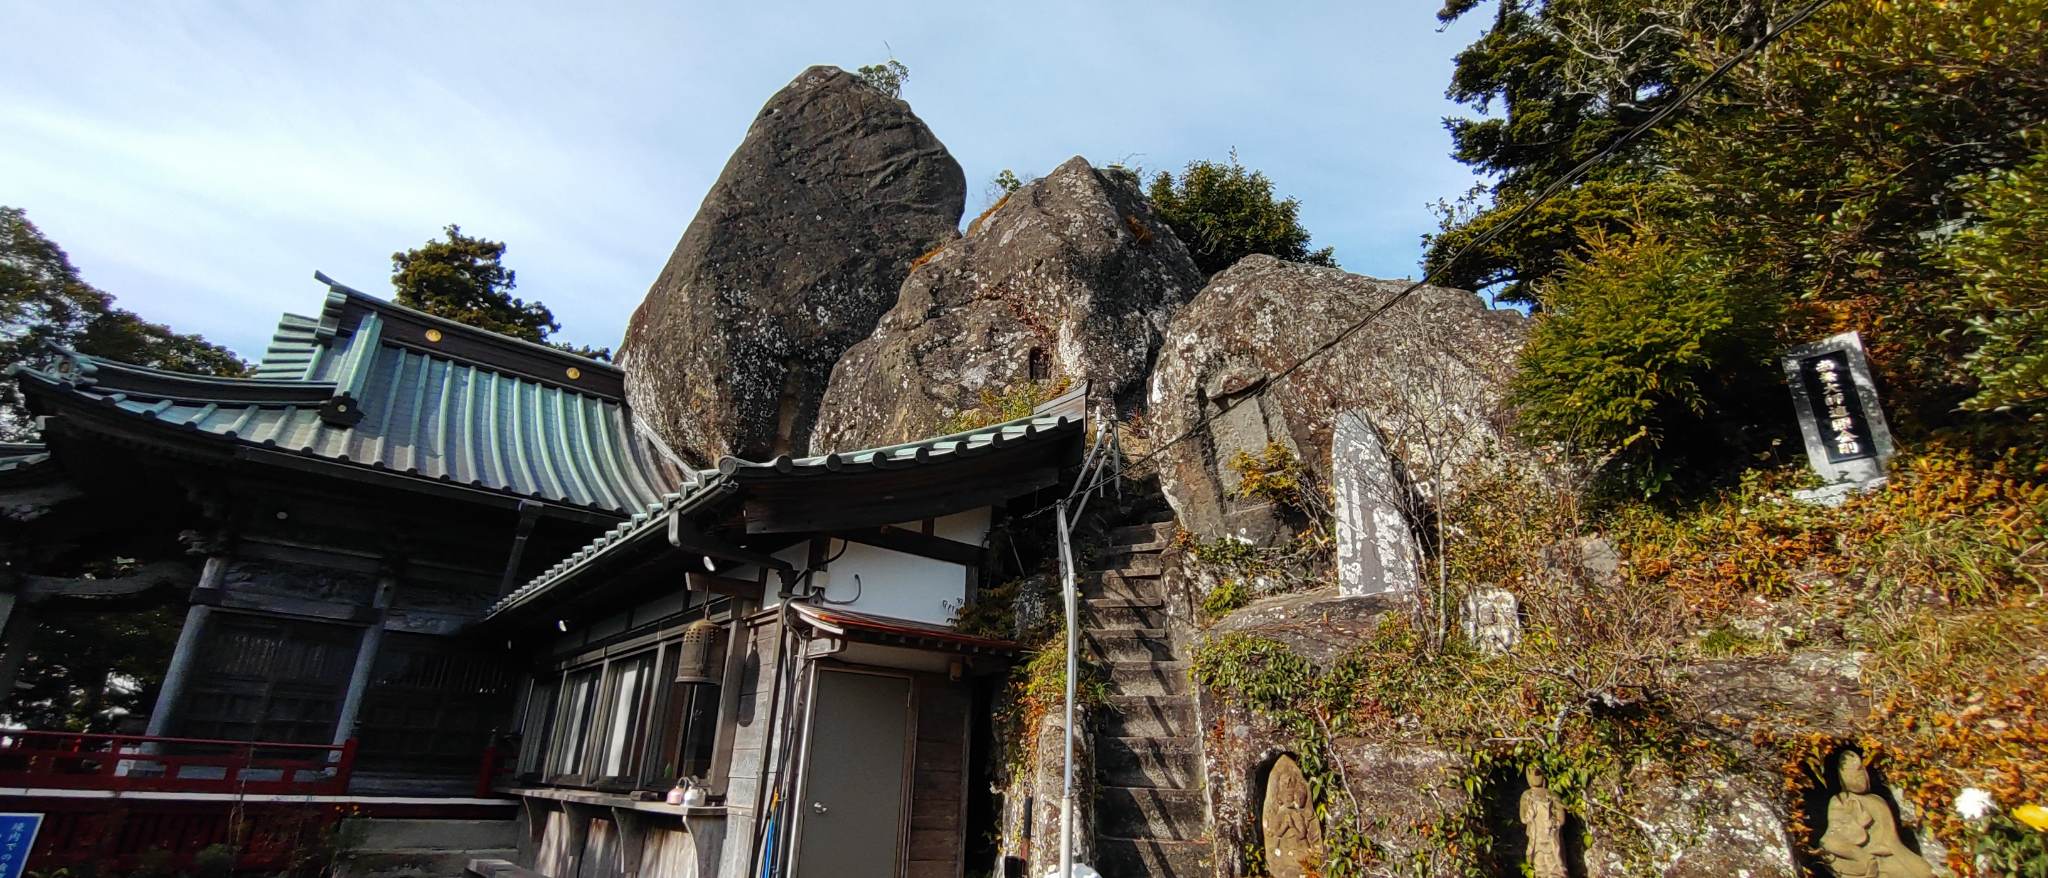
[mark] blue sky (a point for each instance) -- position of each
(199, 161)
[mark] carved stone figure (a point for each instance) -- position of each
(1861, 839)
(1542, 815)
(1289, 821)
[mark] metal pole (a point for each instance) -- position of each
(1073, 639)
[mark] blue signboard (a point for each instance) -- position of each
(17, 838)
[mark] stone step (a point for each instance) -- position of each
(1143, 812)
(1139, 534)
(404, 834)
(416, 863)
(1148, 678)
(1170, 716)
(1130, 644)
(1131, 566)
(1161, 763)
(488, 867)
(1152, 857)
(1113, 613)
(1113, 584)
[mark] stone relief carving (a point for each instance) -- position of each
(1543, 814)
(1862, 838)
(1288, 821)
(1493, 620)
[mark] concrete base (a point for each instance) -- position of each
(424, 848)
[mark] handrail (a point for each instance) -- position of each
(109, 736)
(93, 760)
(1104, 453)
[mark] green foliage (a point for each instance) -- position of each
(1224, 212)
(1036, 689)
(1275, 475)
(1999, 259)
(1229, 595)
(887, 77)
(1833, 171)
(2009, 847)
(1006, 181)
(1871, 171)
(1644, 347)
(214, 861)
(87, 668)
(1004, 404)
(465, 280)
(45, 306)
(1568, 78)
(994, 611)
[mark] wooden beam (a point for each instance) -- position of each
(161, 573)
(837, 507)
(685, 535)
(911, 542)
(725, 585)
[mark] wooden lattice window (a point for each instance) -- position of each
(431, 705)
(261, 678)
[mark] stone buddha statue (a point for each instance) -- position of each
(1293, 837)
(1543, 816)
(1862, 839)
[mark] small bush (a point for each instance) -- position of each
(1647, 356)
(1229, 595)
(1007, 404)
(2005, 293)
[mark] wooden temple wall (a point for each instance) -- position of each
(310, 644)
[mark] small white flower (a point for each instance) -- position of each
(1975, 804)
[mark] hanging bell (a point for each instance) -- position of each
(697, 659)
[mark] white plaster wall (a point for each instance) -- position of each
(901, 586)
(892, 584)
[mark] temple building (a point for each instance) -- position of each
(428, 572)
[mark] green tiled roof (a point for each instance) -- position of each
(293, 350)
(346, 390)
(1053, 421)
(17, 455)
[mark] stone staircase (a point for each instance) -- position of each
(1151, 818)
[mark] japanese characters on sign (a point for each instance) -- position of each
(1844, 430)
(1847, 441)
(17, 838)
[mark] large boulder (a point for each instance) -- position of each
(799, 247)
(1070, 277)
(1427, 375)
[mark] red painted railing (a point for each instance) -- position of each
(79, 760)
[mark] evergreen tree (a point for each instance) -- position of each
(1224, 212)
(464, 279)
(45, 306)
(1554, 82)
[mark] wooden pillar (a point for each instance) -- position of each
(178, 675)
(366, 660)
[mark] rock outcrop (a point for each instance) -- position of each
(1704, 823)
(1428, 374)
(799, 247)
(1070, 277)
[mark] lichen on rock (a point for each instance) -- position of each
(799, 247)
(1070, 278)
(1429, 373)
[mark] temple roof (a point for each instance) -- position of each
(1055, 424)
(376, 385)
(17, 455)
